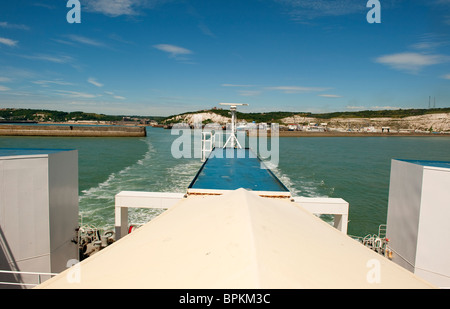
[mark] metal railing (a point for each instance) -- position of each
(38, 276)
(207, 144)
(376, 242)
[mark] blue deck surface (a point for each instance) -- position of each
(239, 168)
(6, 152)
(444, 164)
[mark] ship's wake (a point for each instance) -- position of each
(151, 173)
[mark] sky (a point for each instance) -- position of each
(164, 57)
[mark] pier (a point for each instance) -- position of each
(69, 130)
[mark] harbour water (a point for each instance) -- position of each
(356, 169)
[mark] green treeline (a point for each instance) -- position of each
(394, 113)
(277, 116)
(50, 115)
(18, 114)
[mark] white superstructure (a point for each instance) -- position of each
(236, 240)
(38, 213)
(418, 218)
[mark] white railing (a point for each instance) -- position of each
(218, 139)
(136, 199)
(207, 144)
(327, 206)
(37, 275)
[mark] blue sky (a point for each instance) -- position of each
(163, 57)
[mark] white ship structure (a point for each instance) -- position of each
(237, 226)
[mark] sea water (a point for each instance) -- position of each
(356, 169)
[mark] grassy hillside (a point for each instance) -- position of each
(21, 114)
(59, 116)
(277, 116)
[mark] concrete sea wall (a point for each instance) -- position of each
(86, 131)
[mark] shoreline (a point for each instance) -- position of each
(350, 134)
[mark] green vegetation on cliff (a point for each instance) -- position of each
(19, 114)
(277, 116)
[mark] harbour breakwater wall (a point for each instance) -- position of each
(80, 131)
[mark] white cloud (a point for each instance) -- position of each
(330, 96)
(234, 85)
(3, 88)
(50, 58)
(8, 42)
(296, 89)
(46, 83)
(361, 108)
(5, 79)
(305, 10)
(45, 5)
(411, 62)
(112, 8)
(178, 53)
(15, 73)
(425, 45)
(206, 30)
(173, 50)
(75, 94)
(115, 8)
(118, 97)
(284, 89)
(430, 41)
(85, 40)
(385, 107)
(94, 82)
(5, 24)
(350, 107)
(446, 76)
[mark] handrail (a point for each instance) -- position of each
(15, 272)
(210, 141)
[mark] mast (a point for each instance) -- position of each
(234, 143)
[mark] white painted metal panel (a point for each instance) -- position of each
(418, 217)
(38, 210)
(63, 207)
(403, 211)
(25, 216)
(433, 243)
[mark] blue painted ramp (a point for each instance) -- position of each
(231, 169)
